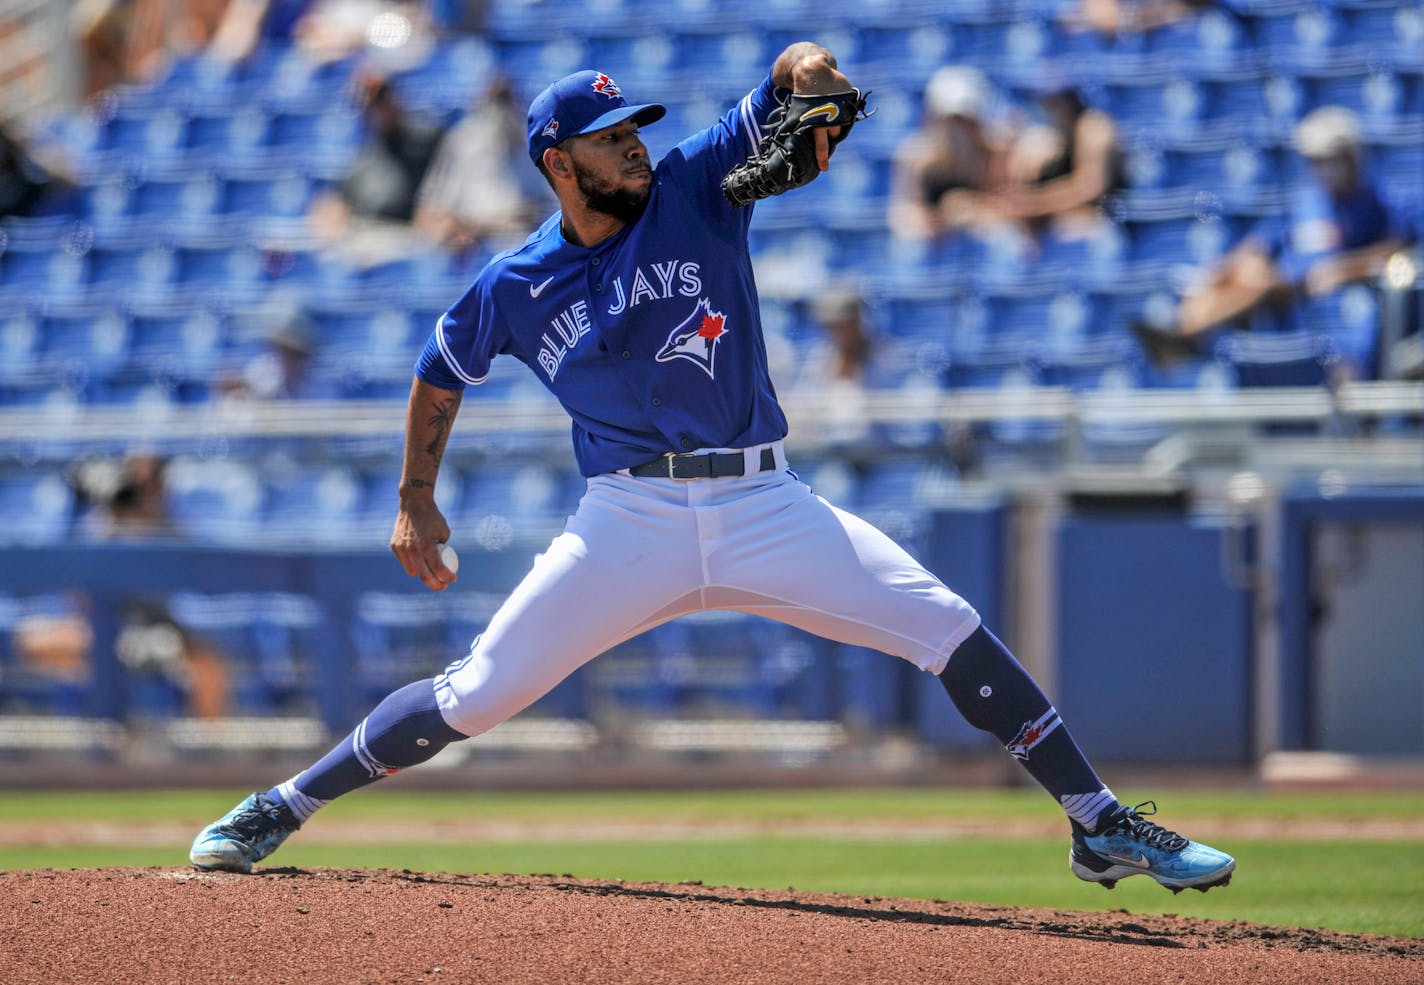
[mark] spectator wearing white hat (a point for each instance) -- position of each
(1339, 229)
(943, 168)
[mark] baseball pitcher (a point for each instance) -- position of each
(636, 306)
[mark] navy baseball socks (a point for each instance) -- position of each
(1110, 840)
(405, 729)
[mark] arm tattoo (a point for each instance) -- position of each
(440, 422)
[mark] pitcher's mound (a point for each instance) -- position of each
(337, 926)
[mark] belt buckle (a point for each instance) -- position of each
(672, 470)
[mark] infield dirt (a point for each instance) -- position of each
(329, 926)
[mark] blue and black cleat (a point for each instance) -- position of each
(1129, 845)
(248, 833)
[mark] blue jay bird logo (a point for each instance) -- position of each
(696, 338)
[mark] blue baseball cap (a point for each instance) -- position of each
(581, 103)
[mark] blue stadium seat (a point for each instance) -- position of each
(359, 342)
(1380, 97)
(1379, 25)
(1295, 35)
(1110, 361)
(1016, 49)
(897, 496)
(285, 78)
(196, 79)
(741, 55)
(527, 501)
(84, 342)
(235, 271)
(309, 505)
(1349, 318)
(911, 54)
(1260, 359)
(265, 191)
(224, 135)
(38, 506)
(921, 315)
(1111, 430)
(176, 196)
(137, 266)
(215, 501)
(1151, 99)
(323, 139)
(1190, 241)
(450, 80)
(533, 63)
(1215, 37)
(143, 133)
(538, 19)
(19, 346)
(43, 271)
(401, 637)
(719, 663)
(1398, 160)
(1236, 170)
(178, 342)
(641, 62)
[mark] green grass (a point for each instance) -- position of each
(1368, 886)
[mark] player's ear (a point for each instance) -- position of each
(558, 162)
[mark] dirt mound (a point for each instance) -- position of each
(343, 926)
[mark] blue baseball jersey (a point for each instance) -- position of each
(651, 340)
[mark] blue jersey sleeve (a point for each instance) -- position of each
(699, 162)
(467, 338)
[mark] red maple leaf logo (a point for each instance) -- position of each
(605, 86)
(1031, 736)
(711, 327)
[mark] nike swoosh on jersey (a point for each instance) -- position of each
(1137, 861)
(534, 292)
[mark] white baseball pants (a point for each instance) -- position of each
(640, 552)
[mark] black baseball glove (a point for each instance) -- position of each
(786, 158)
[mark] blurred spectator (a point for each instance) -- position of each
(248, 23)
(175, 669)
(51, 671)
(1339, 230)
(130, 40)
(330, 30)
(282, 371)
(1060, 171)
(839, 370)
(28, 187)
(1116, 17)
(187, 672)
(942, 168)
(369, 213)
(128, 498)
(480, 187)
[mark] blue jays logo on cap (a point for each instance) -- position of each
(581, 103)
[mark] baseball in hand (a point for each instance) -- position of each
(450, 559)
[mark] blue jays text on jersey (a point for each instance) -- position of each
(651, 340)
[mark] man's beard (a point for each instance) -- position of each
(624, 204)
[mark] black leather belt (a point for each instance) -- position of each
(717, 465)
